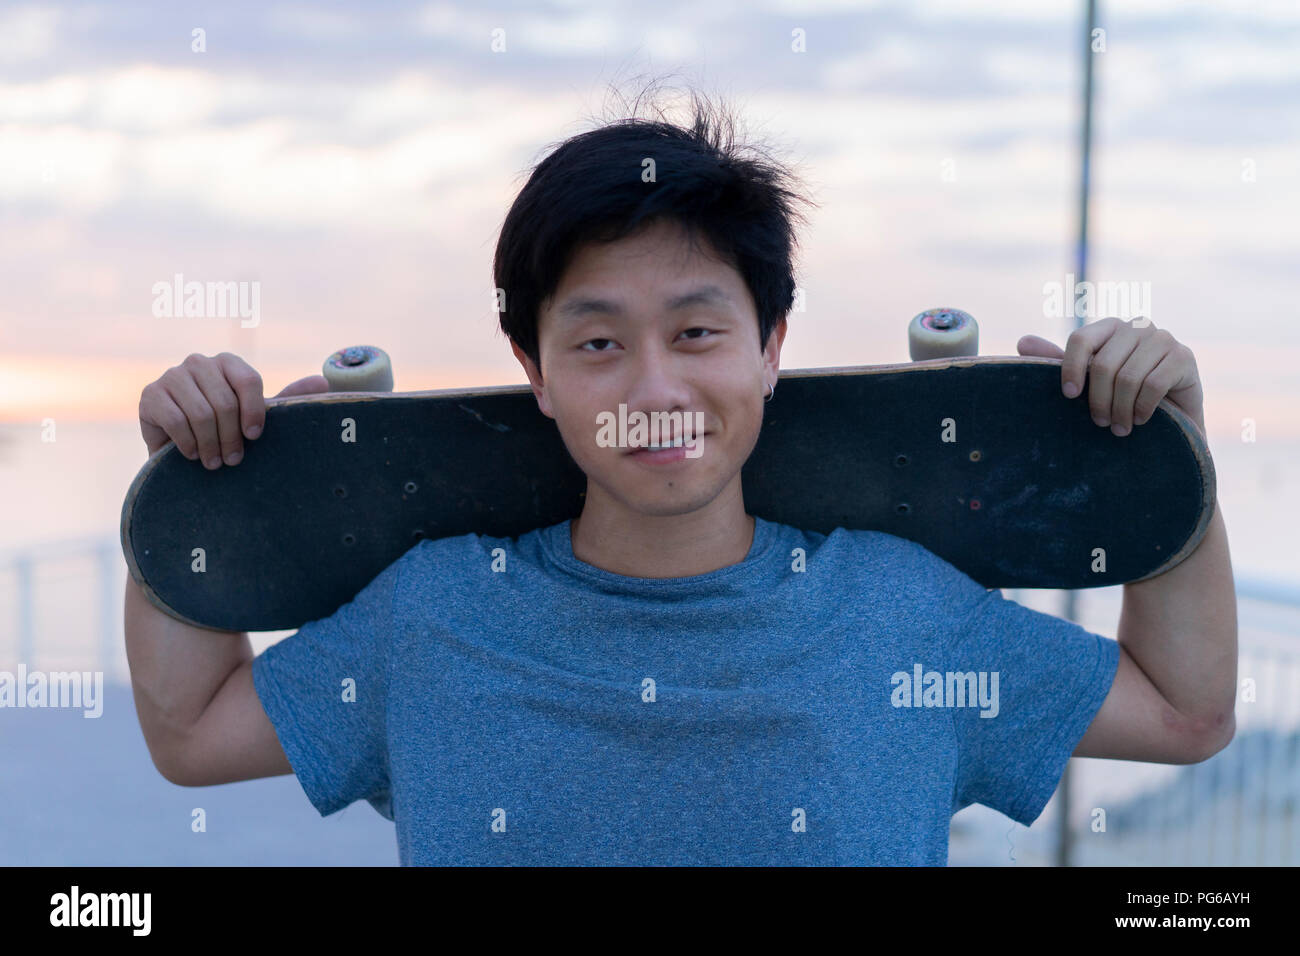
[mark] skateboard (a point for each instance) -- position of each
(981, 460)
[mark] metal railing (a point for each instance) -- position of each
(1240, 807)
(109, 568)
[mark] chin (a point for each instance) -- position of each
(670, 502)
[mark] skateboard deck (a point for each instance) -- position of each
(1024, 497)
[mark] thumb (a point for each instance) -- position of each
(1034, 345)
(310, 385)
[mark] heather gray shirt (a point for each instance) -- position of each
(831, 699)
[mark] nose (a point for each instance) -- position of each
(657, 384)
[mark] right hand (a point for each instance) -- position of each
(208, 405)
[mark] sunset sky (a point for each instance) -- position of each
(357, 160)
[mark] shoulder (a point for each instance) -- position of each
(899, 571)
(883, 553)
(470, 548)
(469, 560)
(443, 559)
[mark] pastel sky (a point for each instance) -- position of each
(356, 161)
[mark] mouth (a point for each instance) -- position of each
(677, 442)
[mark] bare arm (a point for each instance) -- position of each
(202, 719)
(1181, 627)
(1174, 694)
(1173, 698)
(200, 714)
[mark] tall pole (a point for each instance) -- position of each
(1064, 849)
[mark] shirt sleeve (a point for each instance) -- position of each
(1052, 678)
(325, 690)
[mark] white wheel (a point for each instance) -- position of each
(942, 333)
(361, 368)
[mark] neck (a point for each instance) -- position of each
(664, 546)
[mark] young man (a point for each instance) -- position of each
(666, 679)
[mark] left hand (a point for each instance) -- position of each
(1130, 369)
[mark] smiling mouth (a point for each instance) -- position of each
(676, 443)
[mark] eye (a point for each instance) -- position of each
(589, 341)
(698, 329)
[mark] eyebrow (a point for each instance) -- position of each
(584, 305)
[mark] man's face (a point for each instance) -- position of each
(652, 324)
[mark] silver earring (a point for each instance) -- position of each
(771, 390)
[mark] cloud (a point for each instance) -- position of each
(394, 127)
(27, 33)
(392, 153)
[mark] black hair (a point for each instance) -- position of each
(590, 189)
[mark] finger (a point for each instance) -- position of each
(1105, 366)
(1157, 385)
(1036, 345)
(247, 386)
(1132, 375)
(168, 419)
(1080, 347)
(185, 392)
(310, 385)
(212, 382)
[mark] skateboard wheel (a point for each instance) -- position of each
(361, 368)
(942, 333)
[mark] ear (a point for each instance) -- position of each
(535, 379)
(772, 352)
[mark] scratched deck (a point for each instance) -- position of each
(1023, 497)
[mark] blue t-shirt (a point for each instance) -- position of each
(831, 699)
